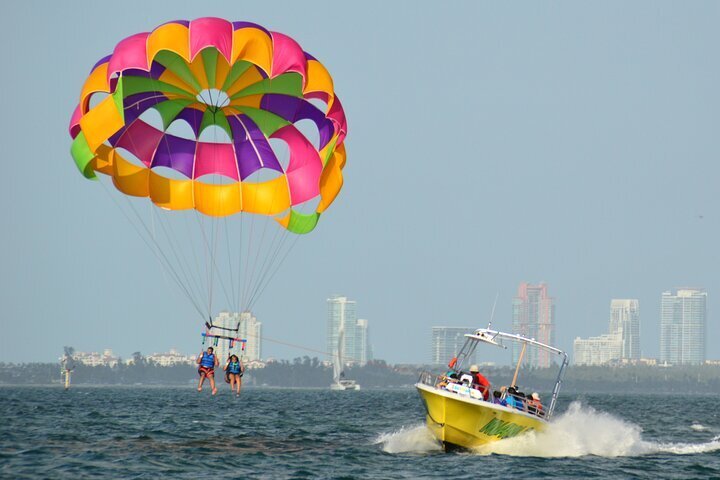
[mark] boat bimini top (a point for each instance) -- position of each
(498, 339)
(495, 337)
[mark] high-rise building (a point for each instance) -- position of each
(683, 326)
(597, 350)
(251, 330)
(447, 342)
(238, 325)
(356, 344)
(534, 317)
(625, 322)
(623, 341)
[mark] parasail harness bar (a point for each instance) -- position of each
(232, 340)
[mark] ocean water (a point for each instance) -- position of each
(142, 432)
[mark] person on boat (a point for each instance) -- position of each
(534, 405)
(512, 399)
(207, 361)
(466, 379)
(451, 376)
(497, 398)
(522, 399)
(234, 371)
(480, 382)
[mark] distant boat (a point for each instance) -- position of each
(461, 413)
(339, 380)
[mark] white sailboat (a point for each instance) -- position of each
(339, 380)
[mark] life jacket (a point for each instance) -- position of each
(535, 404)
(208, 360)
(234, 368)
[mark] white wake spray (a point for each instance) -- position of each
(578, 432)
(417, 439)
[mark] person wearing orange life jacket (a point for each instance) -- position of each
(534, 405)
(480, 381)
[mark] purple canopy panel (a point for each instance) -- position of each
(252, 149)
(114, 139)
(141, 140)
(156, 70)
(294, 109)
(252, 155)
(176, 153)
(136, 105)
(193, 117)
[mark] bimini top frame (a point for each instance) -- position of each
(492, 336)
(495, 337)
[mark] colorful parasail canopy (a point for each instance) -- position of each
(237, 78)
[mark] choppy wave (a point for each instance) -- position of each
(578, 432)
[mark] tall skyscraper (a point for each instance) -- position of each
(251, 330)
(356, 344)
(534, 317)
(446, 343)
(625, 322)
(683, 326)
(239, 325)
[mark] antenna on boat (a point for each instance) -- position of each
(492, 313)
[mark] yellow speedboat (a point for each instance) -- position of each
(458, 413)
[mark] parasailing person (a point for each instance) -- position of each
(207, 361)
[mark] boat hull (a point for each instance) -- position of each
(345, 385)
(465, 422)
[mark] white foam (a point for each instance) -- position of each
(698, 427)
(582, 431)
(416, 439)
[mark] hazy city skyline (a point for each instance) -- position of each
(488, 144)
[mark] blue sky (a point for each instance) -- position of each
(574, 143)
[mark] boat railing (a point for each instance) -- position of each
(430, 379)
(523, 404)
(507, 399)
